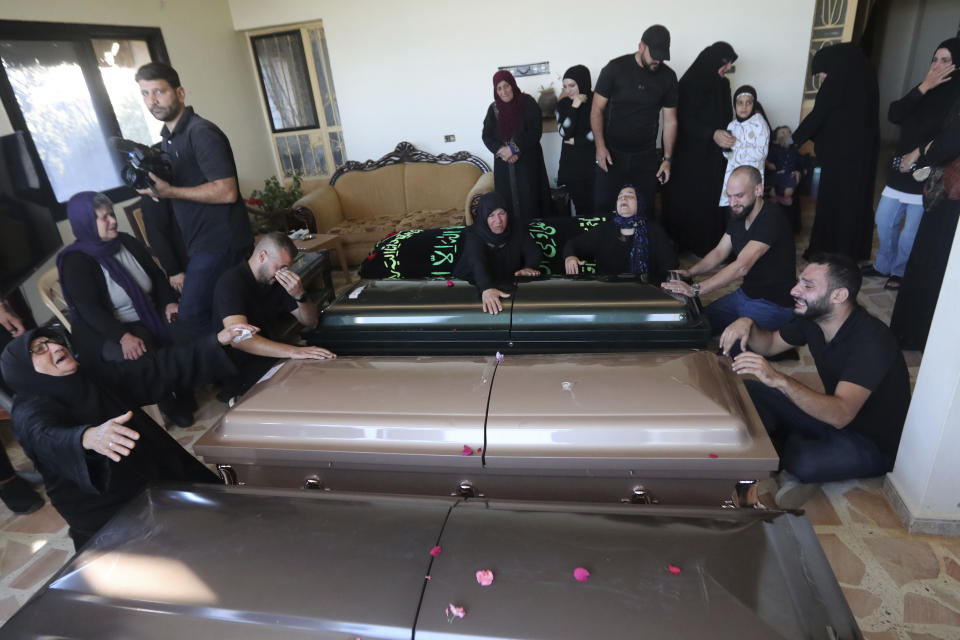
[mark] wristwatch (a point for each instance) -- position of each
(667, 159)
(696, 289)
(302, 298)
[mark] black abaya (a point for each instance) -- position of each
(691, 216)
(51, 414)
(920, 289)
(844, 126)
(530, 175)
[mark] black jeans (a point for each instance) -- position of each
(810, 449)
(638, 169)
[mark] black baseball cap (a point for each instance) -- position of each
(657, 39)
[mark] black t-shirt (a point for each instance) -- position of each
(866, 353)
(199, 153)
(631, 118)
(239, 294)
(775, 273)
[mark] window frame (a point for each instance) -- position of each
(263, 86)
(78, 34)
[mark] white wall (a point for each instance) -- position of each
(418, 70)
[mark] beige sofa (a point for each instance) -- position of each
(405, 189)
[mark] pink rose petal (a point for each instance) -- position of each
(467, 451)
(581, 574)
(453, 611)
(713, 455)
(485, 577)
(449, 283)
(499, 357)
(675, 570)
(437, 550)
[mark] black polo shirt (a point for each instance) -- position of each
(199, 152)
(239, 294)
(631, 118)
(863, 352)
(774, 274)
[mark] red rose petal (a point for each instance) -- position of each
(437, 550)
(675, 570)
(713, 455)
(467, 451)
(449, 283)
(453, 611)
(581, 574)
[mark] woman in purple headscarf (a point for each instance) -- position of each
(120, 302)
(512, 131)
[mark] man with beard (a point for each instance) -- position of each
(760, 238)
(262, 291)
(625, 118)
(203, 191)
(852, 428)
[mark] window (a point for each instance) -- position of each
(300, 102)
(71, 87)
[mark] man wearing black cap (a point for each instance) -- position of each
(636, 86)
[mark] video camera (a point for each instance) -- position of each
(137, 160)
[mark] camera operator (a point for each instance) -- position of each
(203, 193)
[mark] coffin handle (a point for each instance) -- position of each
(639, 495)
(746, 495)
(227, 474)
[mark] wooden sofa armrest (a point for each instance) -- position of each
(484, 184)
(324, 204)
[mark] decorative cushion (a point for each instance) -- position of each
(431, 253)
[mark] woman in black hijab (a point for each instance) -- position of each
(495, 250)
(692, 216)
(920, 114)
(578, 152)
(511, 131)
(93, 445)
(844, 127)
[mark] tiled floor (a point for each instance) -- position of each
(899, 586)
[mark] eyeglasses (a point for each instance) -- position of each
(42, 347)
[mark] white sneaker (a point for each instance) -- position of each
(792, 493)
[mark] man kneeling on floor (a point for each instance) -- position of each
(262, 291)
(852, 429)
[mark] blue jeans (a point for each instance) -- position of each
(812, 450)
(196, 299)
(895, 245)
(768, 315)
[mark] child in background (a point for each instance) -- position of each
(749, 127)
(783, 166)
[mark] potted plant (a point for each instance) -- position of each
(265, 208)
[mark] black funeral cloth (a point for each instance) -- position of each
(523, 183)
(844, 127)
(773, 275)
(864, 352)
(610, 250)
(432, 253)
(50, 415)
(691, 216)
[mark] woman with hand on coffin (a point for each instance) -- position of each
(844, 126)
(83, 427)
(121, 303)
(578, 151)
(691, 214)
(495, 249)
(628, 242)
(511, 131)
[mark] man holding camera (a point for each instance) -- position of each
(203, 192)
